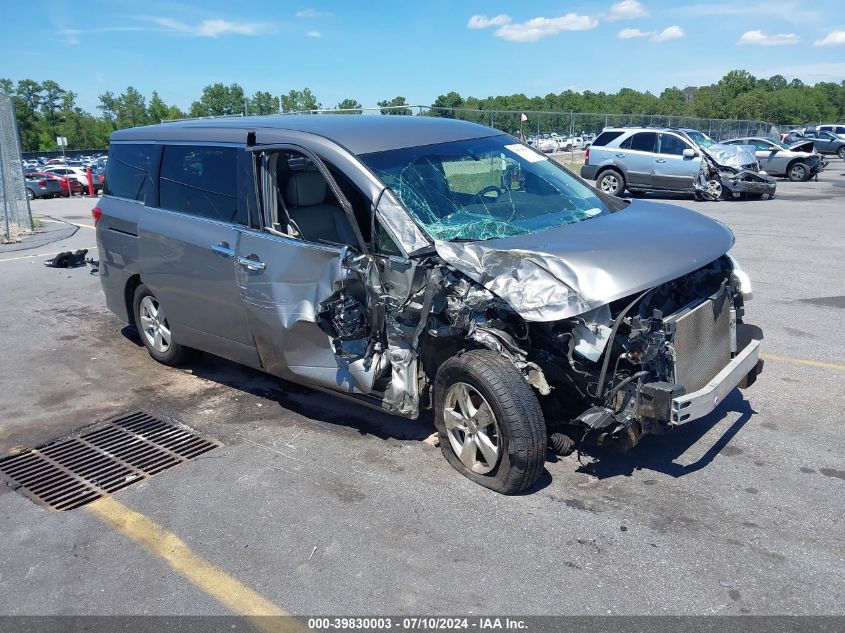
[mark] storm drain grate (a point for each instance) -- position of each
(100, 460)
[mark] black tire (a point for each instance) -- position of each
(798, 171)
(175, 354)
(30, 194)
(521, 427)
(841, 152)
(611, 182)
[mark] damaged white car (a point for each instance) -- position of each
(415, 263)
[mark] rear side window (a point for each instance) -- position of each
(128, 170)
(670, 144)
(606, 137)
(641, 141)
(201, 181)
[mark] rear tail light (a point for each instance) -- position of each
(96, 213)
(42, 183)
(587, 156)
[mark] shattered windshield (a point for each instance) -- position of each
(700, 138)
(484, 188)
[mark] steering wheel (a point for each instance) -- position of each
(489, 189)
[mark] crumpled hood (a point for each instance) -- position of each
(807, 146)
(575, 268)
(736, 156)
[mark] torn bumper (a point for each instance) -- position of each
(750, 182)
(743, 368)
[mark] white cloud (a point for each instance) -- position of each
(540, 27)
(482, 21)
(669, 33)
(627, 34)
(758, 38)
(210, 28)
(834, 38)
(312, 13)
(314, 34)
(626, 10)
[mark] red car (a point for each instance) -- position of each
(75, 185)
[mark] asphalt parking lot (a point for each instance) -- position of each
(316, 506)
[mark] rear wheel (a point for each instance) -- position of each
(490, 423)
(798, 172)
(30, 194)
(154, 328)
(611, 182)
(841, 152)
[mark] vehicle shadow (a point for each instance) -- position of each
(659, 452)
(310, 403)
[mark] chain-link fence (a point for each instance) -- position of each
(539, 123)
(17, 217)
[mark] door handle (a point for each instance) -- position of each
(620, 156)
(251, 264)
(223, 249)
(660, 160)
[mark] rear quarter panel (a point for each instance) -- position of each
(117, 244)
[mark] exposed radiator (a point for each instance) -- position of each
(702, 340)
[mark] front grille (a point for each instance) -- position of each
(68, 473)
(702, 341)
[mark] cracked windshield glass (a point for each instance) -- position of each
(484, 188)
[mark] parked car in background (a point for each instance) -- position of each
(412, 263)
(78, 173)
(68, 185)
(667, 159)
(779, 159)
(823, 142)
(833, 128)
(39, 186)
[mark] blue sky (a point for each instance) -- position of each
(376, 49)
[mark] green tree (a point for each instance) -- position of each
(263, 103)
(108, 106)
(351, 105)
(444, 104)
(131, 109)
(300, 101)
(219, 100)
(394, 106)
(156, 109)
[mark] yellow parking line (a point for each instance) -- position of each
(84, 226)
(802, 361)
(233, 594)
(14, 259)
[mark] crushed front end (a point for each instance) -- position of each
(646, 363)
(728, 171)
(638, 365)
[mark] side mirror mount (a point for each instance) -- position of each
(690, 153)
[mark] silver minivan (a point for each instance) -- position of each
(419, 263)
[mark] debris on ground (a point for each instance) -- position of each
(68, 259)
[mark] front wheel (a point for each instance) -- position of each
(154, 328)
(841, 152)
(798, 172)
(611, 182)
(489, 420)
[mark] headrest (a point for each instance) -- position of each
(305, 188)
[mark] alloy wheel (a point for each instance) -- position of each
(609, 183)
(472, 428)
(154, 324)
(797, 173)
